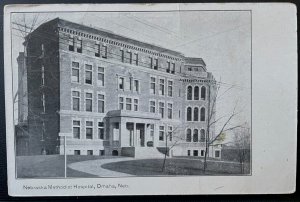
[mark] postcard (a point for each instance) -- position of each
(150, 99)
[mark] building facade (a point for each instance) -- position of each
(114, 95)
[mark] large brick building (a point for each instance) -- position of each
(114, 94)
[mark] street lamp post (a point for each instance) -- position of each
(65, 135)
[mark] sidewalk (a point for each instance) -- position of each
(94, 167)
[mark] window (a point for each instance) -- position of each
(201, 152)
(155, 64)
(100, 80)
(195, 153)
(104, 51)
(189, 152)
(100, 103)
(75, 72)
(168, 67)
(97, 49)
(71, 43)
(217, 154)
(196, 93)
(189, 92)
(173, 68)
(122, 55)
(136, 104)
(161, 133)
(100, 130)
(170, 111)
(203, 93)
(102, 152)
(189, 69)
(121, 83)
(170, 88)
(129, 83)
(196, 114)
(121, 103)
(76, 152)
(152, 131)
(162, 109)
(152, 85)
(195, 135)
(189, 114)
(188, 135)
(89, 130)
(90, 152)
(170, 133)
(76, 100)
(136, 85)
(196, 69)
(76, 129)
(43, 76)
(128, 57)
(151, 62)
(88, 102)
(202, 135)
(161, 86)
(79, 45)
(152, 106)
(88, 74)
(202, 114)
(136, 59)
(43, 102)
(128, 103)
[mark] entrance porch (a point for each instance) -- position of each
(134, 134)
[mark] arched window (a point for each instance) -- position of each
(196, 114)
(196, 93)
(188, 135)
(202, 135)
(189, 114)
(202, 114)
(203, 93)
(189, 93)
(195, 135)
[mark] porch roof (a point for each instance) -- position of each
(134, 114)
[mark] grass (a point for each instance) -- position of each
(178, 166)
(50, 166)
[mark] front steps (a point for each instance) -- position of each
(142, 152)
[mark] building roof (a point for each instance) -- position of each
(58, 22)
(195, 61)
(106, 33)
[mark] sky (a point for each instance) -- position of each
(221, 38)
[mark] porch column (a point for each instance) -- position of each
(135, 144)
(145, 134)
(123, 136)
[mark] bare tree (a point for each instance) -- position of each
(174, 137)
(223, 121)
(241, 142)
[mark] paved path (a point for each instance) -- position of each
(94, 167)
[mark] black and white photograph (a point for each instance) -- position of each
(124, 94)
(132, 93)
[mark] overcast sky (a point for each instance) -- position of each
(221, 38)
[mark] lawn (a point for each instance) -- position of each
(174, 166)
(50, 166)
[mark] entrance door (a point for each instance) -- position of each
(140, 129)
